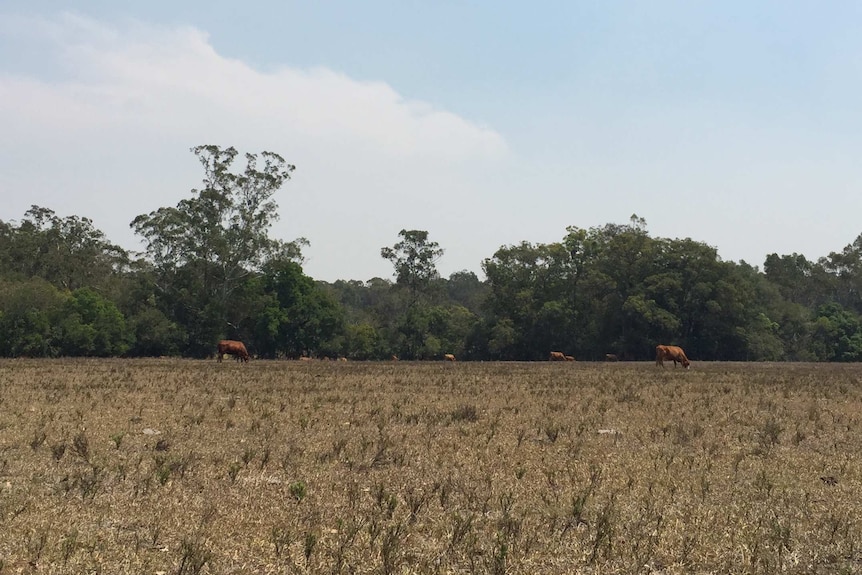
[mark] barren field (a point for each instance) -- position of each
(180, 466)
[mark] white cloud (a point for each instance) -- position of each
(102, 123)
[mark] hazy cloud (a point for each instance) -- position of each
(100, 124)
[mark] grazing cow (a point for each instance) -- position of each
(670, 352)
(570, 358)
(557, 356)
(234, 348)
(394, 357)
(611, 357)
(304, 358)
(449, 357)
(342, 359)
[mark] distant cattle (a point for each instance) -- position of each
(670, 353)
(611, 357)
(342, 359)
(557, 356)
(570, 358)
(234, 348)
(304, 358)
(394, 357)
(449, 357)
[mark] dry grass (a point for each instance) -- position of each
(151, 466)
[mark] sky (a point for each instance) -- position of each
(737, 124)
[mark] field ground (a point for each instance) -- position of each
(180, 466)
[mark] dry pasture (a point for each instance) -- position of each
(181, 466)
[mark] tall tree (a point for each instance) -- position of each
(415, 261)
(206, 247)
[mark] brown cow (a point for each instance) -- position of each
(234, 348)
(394, 357)
(670, 352)
(557, 356)
(449, 357)
(611, 357)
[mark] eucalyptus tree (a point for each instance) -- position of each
(415, 261)
(207, 247)
(69, 252)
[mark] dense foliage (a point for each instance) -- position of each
(211, 271)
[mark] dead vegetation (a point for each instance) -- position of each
(149, 466)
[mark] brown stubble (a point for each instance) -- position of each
(432, 467)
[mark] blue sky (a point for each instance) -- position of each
(486, 124)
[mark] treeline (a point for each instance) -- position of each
(210, 271)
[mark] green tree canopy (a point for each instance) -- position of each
(415, 260)
(207, 248)
(68, 252)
